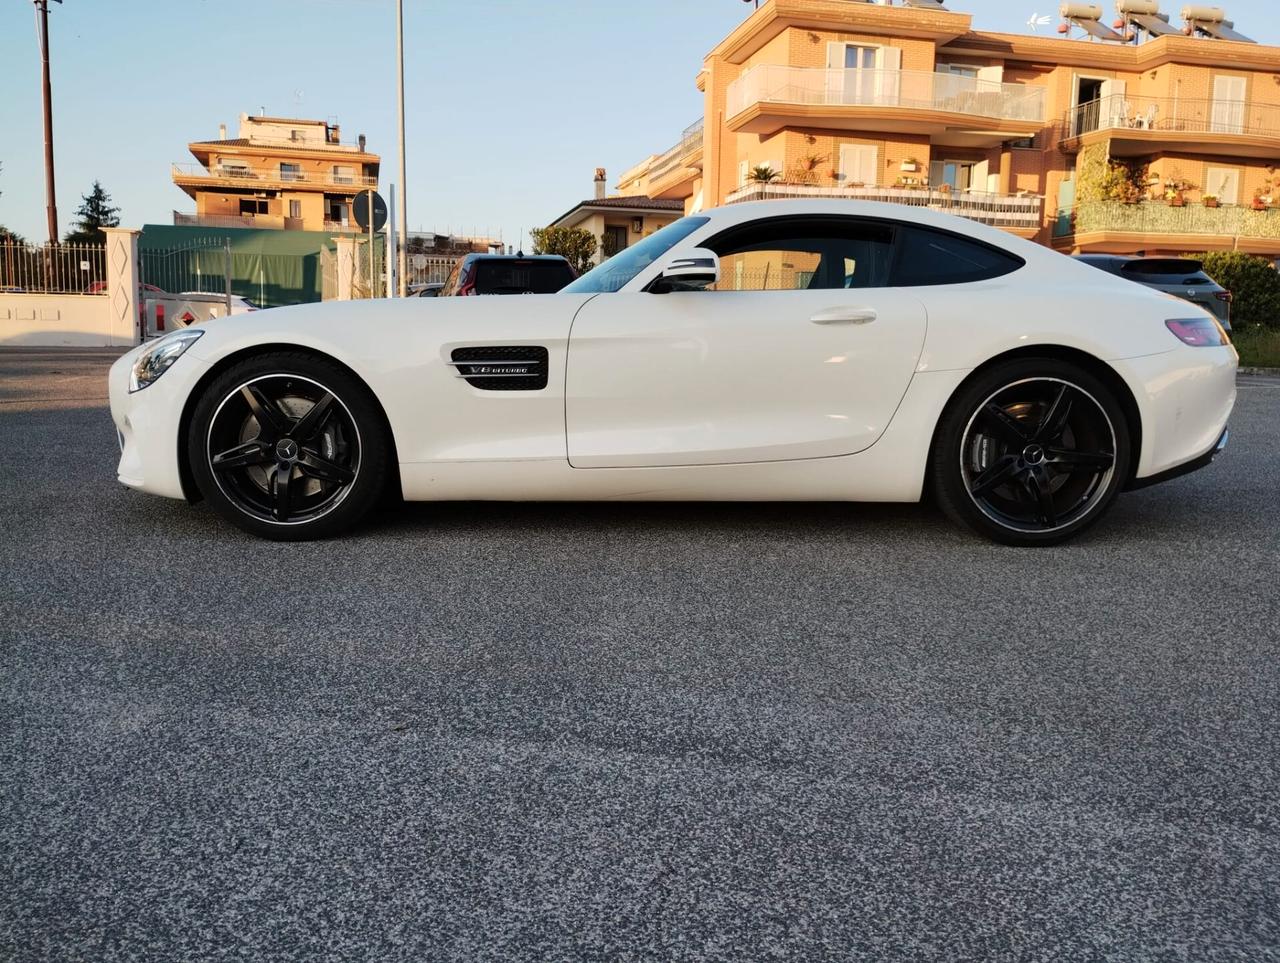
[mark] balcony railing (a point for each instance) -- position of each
(1013, 211)
(1174, 115)
(233, 175)
(912, 89)
(1156, 217)
(674, 158)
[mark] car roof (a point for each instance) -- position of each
(516, 257)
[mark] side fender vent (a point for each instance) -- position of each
(497, 368)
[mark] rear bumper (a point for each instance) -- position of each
(1184, 469)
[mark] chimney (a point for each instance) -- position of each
(361, 141)
(600, 179)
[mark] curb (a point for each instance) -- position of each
(1266, 372)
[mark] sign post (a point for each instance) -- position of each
(370, 212)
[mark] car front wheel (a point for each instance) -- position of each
(289, 447)
(1031, 452)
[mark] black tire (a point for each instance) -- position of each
(1030, 452)
(289, 447)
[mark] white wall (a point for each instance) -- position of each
(82, 320)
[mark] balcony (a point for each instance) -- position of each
(1136, 126)
(196, 175)
(767, 98)
(1021, 214)
(673, 172)
(1116, 226)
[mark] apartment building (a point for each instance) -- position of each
(1125, 135)
(279, 173)
(619, 221)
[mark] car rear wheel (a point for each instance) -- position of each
(289, 447)
(1032, 452)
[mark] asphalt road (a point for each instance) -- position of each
(574, 732)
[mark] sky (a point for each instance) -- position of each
(510, 104)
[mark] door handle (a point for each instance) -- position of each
(845, 316)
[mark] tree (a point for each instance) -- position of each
(763, 174)
(95, 213)
(574, 244)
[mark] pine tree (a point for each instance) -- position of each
(95, 213)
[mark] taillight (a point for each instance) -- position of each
(1198, 332)
(1223, 296)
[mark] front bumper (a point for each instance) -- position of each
(147, 424)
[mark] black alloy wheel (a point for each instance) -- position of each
(1041, 452)
(290, 451)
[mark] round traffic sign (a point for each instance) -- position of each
(360, 210)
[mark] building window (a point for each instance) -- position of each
(290, 172)
(344, 175)
(1023, 143)
(1223, 183)
(250, 206)
(295, 208)
(960, 70)
(957, 175)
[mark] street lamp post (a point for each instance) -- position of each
(403, 259)
(51, 198)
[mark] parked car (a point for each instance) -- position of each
(824, 349)
(144, 290)
(239, 305)
(429, 290)
(507, 274)
(1182, 277)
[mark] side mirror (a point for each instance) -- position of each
(691, 271)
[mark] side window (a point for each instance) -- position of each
(804, 255)
(927, 257)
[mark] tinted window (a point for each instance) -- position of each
(515, 276)
(1153, 270)
(927, 257)
(804, 255)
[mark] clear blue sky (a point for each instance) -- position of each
(511, 103)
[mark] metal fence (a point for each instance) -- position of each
(53, 268)
(201, 266)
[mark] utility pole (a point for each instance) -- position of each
(403, 261)
(51, 198)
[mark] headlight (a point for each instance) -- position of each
(159, 357)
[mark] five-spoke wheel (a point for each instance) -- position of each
(1037, 450)
(282, 448)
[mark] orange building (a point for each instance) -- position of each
(279, 173)
(1125, 136)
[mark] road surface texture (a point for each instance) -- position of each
(613, 732)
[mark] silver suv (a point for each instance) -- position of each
(1182, 277)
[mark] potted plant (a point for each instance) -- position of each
(763, 174)
(1174, 197)
(1210, 200)
(910, 165)
(1260, 200)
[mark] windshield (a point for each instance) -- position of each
(614, 273)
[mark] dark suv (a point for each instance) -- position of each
(1179, 276)
(507, 274)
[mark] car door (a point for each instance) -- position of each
(800, 351)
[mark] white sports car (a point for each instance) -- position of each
(782, 350)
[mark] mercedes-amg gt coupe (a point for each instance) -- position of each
(821, 350)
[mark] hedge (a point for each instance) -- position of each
(1254, 283)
